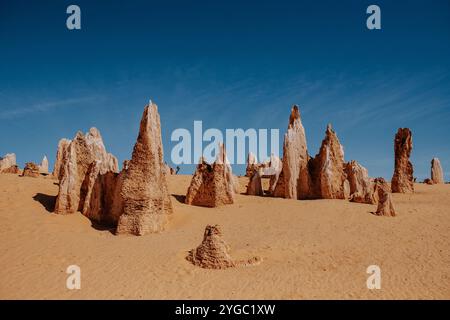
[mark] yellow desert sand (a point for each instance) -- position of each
(310, 249)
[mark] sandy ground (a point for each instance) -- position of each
(310, 249)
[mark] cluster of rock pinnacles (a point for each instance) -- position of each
(136, 200)
(8, 165)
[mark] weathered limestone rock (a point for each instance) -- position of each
(327, 169)
(361, 186)
(102, 201)
(13, 169)
(403, 180)
(94, 141)
(437, 175)
(43, 167)
(31, 170)
(252, 163)
(212, 185)
(82, 151)
(273, 171)
(7, 161)
(294, 181)
(214, 252)
(272, 166)
(146, 200)
(75, 165)
(346, 189)
(201, 191)
(277, 185)
(231, 180)
(58, 168)
(385, 205)
(254, 187)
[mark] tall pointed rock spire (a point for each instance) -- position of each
(146, 200)
(294, 181)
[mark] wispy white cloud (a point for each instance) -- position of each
(374, 98)
(17, 112)
(361, 99)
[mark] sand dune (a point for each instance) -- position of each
(310, 249)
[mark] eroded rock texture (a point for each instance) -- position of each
(385, 205)
(102, 201)
(303, 177)
(13, 169)
(362, 187)
(82, 151)
(58, 167)
(214, 252)
(437, 175)
(327, 169)
(212, 185)
(7, 161)
(272, 166)
(254, 187)
(294, 182)
(403, 180)
(31, 170)
(146, 200)
(273, 171)
(252, 163)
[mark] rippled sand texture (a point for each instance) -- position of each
(309, 249)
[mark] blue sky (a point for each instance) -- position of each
(231, 64)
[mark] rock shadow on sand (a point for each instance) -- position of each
(179, 197)
(103, 227)
(46, 200)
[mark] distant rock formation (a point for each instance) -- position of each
(273, 171)
(7, 161)
(294, 182)
(144, 192)
(31, 170)
(403, 180)
(214, 252)
(270, 168)
(437, 175)
(43, 167)
(202, 189)
(212, 185)
(361, 186)
(303, 177)
(58, 168)
(254, 187)
(230, 178)
(81, 152)
(385, 205)
(252, 163)
(428, 181)
(13, 169)
(327, 169)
